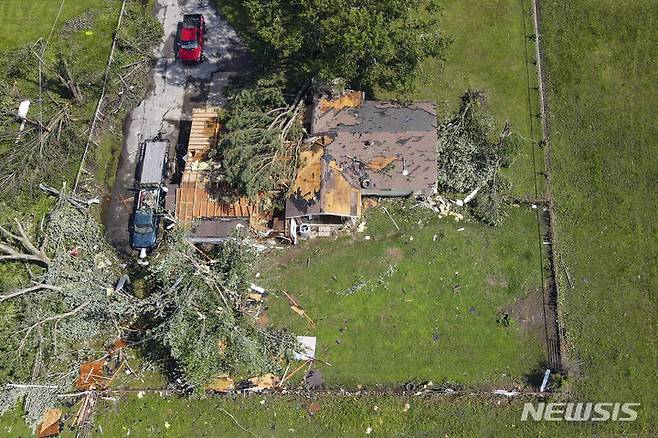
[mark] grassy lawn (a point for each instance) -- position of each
(487, 52)
(24, 22)
(430, 303)
(602, 94)
(267, 416)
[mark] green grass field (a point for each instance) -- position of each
(602, 79)
(487, 53)
(430, 303)
(24, 22)
(266, 416)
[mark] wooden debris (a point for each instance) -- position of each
(292, 299)
(266, 381)
(92, 376)
(381, 162)
(391, 218)
(50, 424)
(295, 371)
(221, 384)
(255, 297)
(302, 312)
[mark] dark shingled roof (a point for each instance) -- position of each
(361, 138)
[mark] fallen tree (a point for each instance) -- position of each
(195, 314)
(253, 151)
(68, 306)
(471, 154)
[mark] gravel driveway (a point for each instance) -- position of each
(176, 90)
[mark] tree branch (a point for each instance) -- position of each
(28, 290)
(33, 254)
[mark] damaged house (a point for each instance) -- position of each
(210, 219)
(364, 148)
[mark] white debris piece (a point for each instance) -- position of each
(258, 289)
(23, 108)
(308, 344)
(471, 195)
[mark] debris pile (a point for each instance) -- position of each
(442, 206)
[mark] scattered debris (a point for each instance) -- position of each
(257, 289)
(92, 376)
(221, 384)
(360, 284)
(442, 206)
(506, 393)
(391, 218)
(544, 382)
(260, 383)
(308, 344)
(50, 425)
(313, 408)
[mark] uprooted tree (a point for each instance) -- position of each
(60, 86)
(63, 313)
(471, 155)
(195, 314)
(253, 151)
(74, 302)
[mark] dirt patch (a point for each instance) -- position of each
(497, 281)
(528, 312)
(394, 254)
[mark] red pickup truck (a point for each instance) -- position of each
(190, 38)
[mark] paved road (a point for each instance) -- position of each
(176, 90)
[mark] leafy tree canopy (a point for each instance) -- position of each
(367, 42)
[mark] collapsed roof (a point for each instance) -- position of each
(320, 188)
(211, 219)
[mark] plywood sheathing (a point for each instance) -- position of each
(50, 424)
(203, 133)
(92, 376)
(339, 197)
(193, 199)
